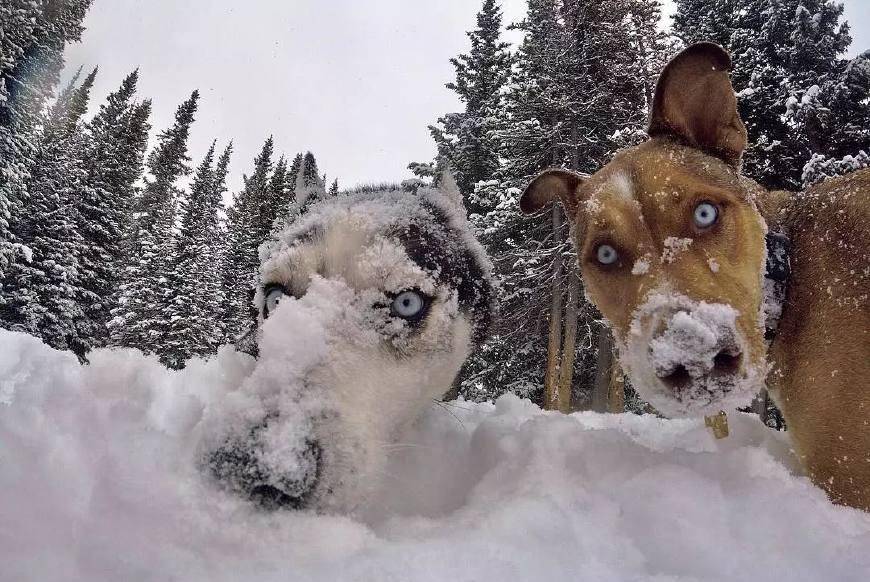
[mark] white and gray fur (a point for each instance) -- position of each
(352, 255)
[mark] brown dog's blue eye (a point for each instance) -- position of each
(606, 254)
(408, 304)
(706, 215)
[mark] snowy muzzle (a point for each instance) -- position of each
(688, 357)
(262, 440)
(336, 381)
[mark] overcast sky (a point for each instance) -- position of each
(354, 81)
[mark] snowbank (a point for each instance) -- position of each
(97, 482)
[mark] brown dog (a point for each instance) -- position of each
(671, 243)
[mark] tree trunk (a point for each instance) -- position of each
(569, 343)
(616, 397)
(554, 343)
(601, 389)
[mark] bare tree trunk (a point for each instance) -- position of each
(554, 339)
(569, 343)
(616, 397)
(601, 389)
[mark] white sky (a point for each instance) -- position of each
(355, 82)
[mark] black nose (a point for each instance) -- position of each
(678, 379)
(727, 362)
(237, 466)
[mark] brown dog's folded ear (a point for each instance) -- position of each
(547, 187)
(695, 102)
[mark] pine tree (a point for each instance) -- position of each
(138, 319)
(309, 187)
(834, 117)
(580, 91)
(466, 140)
(32, 38)
(193, 310)
(278, 197)
(113, 157)
(783, 51)
(706, 20)
(293, 171)
(258, 196)
(248, 225)
(43, 294)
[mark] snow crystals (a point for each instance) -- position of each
(673, 247)
(641, 266)
(99, 483)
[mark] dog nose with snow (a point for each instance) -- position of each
(689, 354)
(671, 241)
(368, 306)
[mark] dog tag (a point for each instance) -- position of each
(718, 423)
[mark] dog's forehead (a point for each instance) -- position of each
(652, 178)
(391, 245)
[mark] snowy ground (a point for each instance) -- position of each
(97, 482)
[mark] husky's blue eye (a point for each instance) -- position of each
(273, 298)
(408, 304)
(706, 215)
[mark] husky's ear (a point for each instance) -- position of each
(448, 186)
(549, 186)
(695, 103)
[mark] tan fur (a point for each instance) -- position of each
(820, 360)
(821, 356)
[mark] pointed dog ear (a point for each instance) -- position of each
(695, 102)
(549, 186)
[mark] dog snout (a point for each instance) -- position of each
(244, 465)
(688, 345)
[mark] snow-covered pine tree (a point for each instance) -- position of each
(278, 199)
(246, 230)
(467, 140)
(138, 320)
(231, 303)
(705, 20)
(309, 186)
(43, 294)
(193, 327)
(217, 254)
(333, 188)
(32, 38)
(579, 92)
(17, 19)
(293, 172)
(834, 117)
(782, 49)
(113, 157)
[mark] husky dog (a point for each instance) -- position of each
(376, 299)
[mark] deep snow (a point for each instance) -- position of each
(97, 482)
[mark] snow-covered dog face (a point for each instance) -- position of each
(371, 303)
(671, 245)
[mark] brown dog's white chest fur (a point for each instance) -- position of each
(671, 244)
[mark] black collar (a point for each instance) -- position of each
(776, 274)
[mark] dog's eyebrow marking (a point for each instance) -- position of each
(620, 184)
